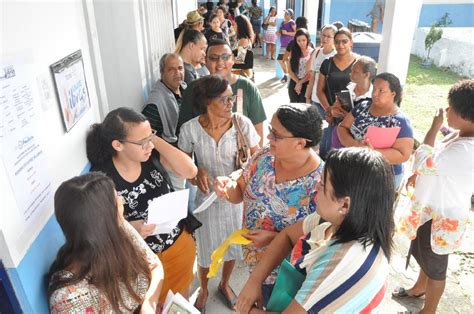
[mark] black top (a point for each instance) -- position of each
(212, 35)
(149, 185)
(336, 80)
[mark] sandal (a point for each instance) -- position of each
(201, 309)
(401, 292)
(230, 301)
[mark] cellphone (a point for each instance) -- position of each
(345, 99)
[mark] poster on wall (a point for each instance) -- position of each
(21, 152)
(71, 88)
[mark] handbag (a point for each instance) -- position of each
(287, 284)
(243, 149)
(264, 26)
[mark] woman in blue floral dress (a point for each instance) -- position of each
(278, 187)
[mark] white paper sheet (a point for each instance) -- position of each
(167, 210)
(207, 202)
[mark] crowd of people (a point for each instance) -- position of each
(318, 203)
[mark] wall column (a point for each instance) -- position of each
(399, 25)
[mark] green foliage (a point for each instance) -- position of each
(426, 89)
(436, 32)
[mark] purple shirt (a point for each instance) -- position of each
(285, 39)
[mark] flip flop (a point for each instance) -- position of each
(230, 302)
(400, 292)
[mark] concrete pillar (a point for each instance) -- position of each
(311, 8)
(399, 25)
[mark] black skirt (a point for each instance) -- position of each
(432, 264)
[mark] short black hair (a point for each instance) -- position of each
(217, 42)
(394, 85)
(301, 120)
(206, 88)
(301, 22)
(366, 177)
(461, 99)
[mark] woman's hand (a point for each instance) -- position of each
(438, 119)
(249, 295)
(329, 117)
(221, 185)
(260, 238)
(202, 180)
(298, 87)
(337, 111)
(145, 230)
(411, 182)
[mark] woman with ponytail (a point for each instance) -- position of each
(128, 151)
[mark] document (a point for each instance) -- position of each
(207, 202)
(167, 210)
(382, 137)
(177, 304)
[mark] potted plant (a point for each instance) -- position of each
(435, 34)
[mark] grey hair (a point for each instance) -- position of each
(368, 66)
(163, 60)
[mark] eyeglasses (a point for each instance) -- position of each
(143, 143)
(216, 58)
(341, 41)
(228, 99)
(275, 136)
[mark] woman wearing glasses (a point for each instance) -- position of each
(278, 186)
(127, 150)
(212, 137)
(334, 75)
(383, 110)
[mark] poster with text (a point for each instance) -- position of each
(71, 88)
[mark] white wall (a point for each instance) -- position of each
(42, 33)
(455, 50)
(181, 9)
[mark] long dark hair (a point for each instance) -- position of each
(114, 127)
(244, 28)
(96, 245)
(301, 120)
(296, 52)
(365, 176)
(206, 88)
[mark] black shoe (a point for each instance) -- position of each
(284, 79)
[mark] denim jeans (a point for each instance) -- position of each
(326, 139)
(266, 293)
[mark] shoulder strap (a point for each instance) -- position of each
(159, 166)
(242, 141)
(327, 81)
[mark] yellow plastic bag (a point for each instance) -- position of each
(217, 256)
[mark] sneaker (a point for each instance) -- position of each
(284, 79)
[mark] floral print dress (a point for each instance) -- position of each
(442, 193)
(273, 206)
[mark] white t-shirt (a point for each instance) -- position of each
(271, 29)
(317, 58)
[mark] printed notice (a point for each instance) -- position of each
(21, 152)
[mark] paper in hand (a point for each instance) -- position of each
(167, 210)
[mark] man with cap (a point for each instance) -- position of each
(193, 20)
(287, 32)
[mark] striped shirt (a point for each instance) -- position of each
(340, 277)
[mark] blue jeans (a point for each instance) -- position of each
(326, 139)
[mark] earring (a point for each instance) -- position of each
(340, 210)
